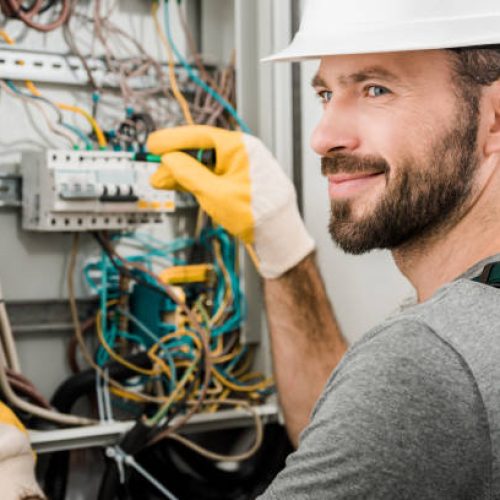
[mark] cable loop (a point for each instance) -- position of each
(15, 9)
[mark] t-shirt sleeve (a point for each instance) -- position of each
(400, 418)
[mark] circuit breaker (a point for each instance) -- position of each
(92, 190)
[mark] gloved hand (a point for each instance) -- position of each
(247, 193)
(17, 462)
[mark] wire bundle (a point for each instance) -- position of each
(183, 354)
(171, 336)
(17, 9)
(152, 96)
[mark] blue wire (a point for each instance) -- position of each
(191, 73)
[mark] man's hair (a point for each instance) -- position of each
(476, 66)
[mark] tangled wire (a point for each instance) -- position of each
(28, 14)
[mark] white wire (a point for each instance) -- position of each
(7, 336)
(108, 410)
(99, 397)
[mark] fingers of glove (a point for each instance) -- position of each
(8, 417)
(185, 137)
(187, 173)
(164, 179)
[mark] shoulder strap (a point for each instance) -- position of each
(490, 275)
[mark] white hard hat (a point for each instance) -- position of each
(332, 27)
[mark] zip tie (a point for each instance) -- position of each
(130, 461)
(117, 455)
(121, 458)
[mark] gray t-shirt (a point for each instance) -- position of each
(413, 409)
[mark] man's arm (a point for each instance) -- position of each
(306, 341)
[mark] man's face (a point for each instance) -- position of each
(398, 144)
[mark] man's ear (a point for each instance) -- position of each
(492, 104)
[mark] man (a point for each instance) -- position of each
(410, 144)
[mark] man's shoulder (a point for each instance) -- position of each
(448, 341)
(464, 315)
(402, 400)
(402, 355)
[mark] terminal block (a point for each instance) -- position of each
(92, 190)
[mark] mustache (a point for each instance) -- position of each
(350, 164)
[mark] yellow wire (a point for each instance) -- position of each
(171, 66)
(219, 349)
(7, 38)
(222, 397)
(245, 366)
(116, 356)
(228, 296)
(251, 375)
(175, 393)
(216, 389)
(32, 88)
(241, 388)
(161, 363)
(228, 357)
(101, 138)
(129, 395)
(253, 256)
(177, 334)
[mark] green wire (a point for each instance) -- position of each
(163, 411)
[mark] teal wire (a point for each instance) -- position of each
(194, 77)
(102, 356)
(236, 360)
(134, 338)
(88, 143)
(81, 135)
(154, 338)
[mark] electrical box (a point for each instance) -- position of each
(92, 190)
(107, 67)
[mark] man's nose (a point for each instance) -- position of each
(336, 131)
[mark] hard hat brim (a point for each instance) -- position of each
(403, 37)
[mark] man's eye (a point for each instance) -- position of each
(325, 96)
(376, 91)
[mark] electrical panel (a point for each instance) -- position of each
(92, 190)
(163, 322)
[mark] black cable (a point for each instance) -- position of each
(192, 476)
(132, 443)
(65, 397)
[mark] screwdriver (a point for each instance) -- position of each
(205, 156)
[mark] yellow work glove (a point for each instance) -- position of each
(247, 193)
(17, 463)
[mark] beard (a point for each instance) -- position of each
(424, 197)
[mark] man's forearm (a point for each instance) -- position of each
(306, 341)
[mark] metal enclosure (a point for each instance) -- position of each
(33, 264)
